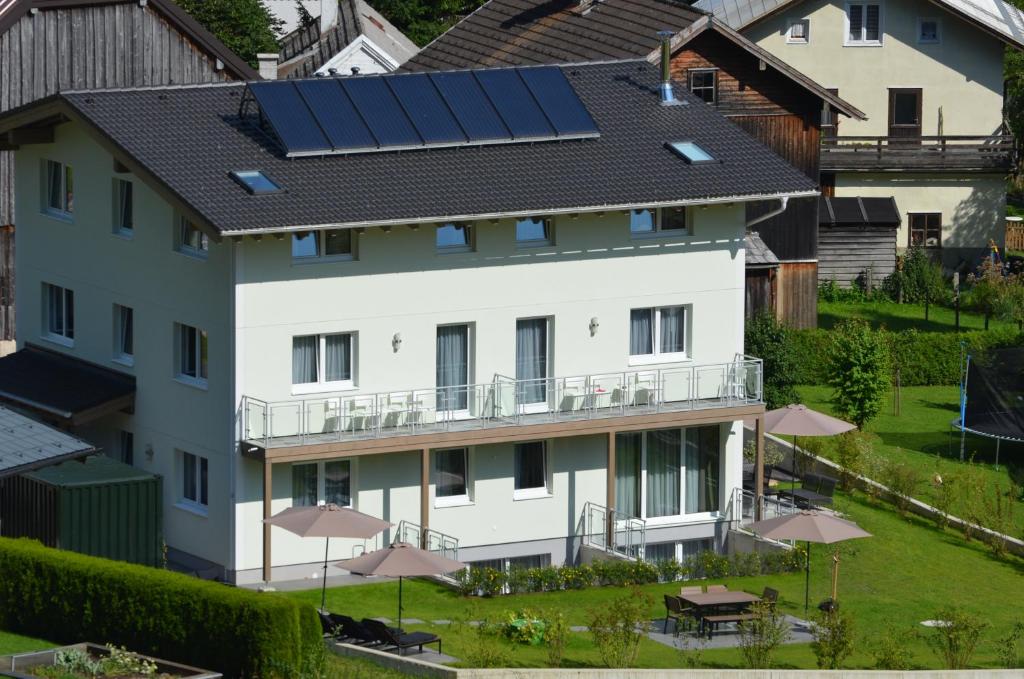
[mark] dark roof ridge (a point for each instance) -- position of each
(157, 88)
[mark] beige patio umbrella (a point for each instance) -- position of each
(327, 521)
(797, 419)
(401, 560)
(811, 527)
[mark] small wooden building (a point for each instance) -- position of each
(857, 240)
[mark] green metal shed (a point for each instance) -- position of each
(97, 506)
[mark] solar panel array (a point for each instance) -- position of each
(421, 110)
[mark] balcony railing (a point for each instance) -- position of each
(982, 153)
(613, 532)
(501, 402)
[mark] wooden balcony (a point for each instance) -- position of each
(925, 154)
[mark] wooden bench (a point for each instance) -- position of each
(711, 622)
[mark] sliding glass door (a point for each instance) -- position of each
(703, 469)
(452, 368)
(532, 363)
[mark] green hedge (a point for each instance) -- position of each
(925, 358)
(68, 598)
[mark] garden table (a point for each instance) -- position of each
(708, 603)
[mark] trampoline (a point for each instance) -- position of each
(992, 397)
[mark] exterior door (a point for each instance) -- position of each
(905, 114)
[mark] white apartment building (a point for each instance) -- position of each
(501, 309)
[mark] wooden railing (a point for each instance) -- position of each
(995, 153)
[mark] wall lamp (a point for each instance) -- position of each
(594, 325)
(396, 342)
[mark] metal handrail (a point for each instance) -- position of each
(503, 401)
(612, 532)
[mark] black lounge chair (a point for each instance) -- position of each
(331, 627)
(353, 631)
(389, 636)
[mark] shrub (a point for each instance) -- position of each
(859, 366)
(577, 577)
(903, 480)
(641, 573)
(769, 340)
(482, 648)
(491, 581)
(833, 639)
(67, 597)
(556, 637)
(713, 565)
(892, 650)
(669, 570)
(917, 279)
(957, 638)
(518, 581)
(524, 626)
(619, 627)
(762, 635)
(745, 564)
(1008, 648)
(544, 579)
(853, 447)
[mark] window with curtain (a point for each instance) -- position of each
(664, 449)
(452, 367)
(641, 221)
(323, 360)
(193, 353)
(124, 211)
(195, 480)
(659, 333)
(328, 482)
(454, 237)
(532, 360)
(59, 317)
(531, 468)
(703, 469)
(191, 240)
(531, 561)
(660, 551)
(925, 229)
(124, 333)
(628, 453)
(533, 231)
(669, 220)
(59, 187)
(452, 473)
(304, 485)
(338, 483)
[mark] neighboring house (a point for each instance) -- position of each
(484, 323)
(929, 76)
(772, 101)
(348, 36)
(48, 46)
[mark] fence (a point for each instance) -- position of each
(1015, 235)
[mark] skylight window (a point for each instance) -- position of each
(690, 152)
(255, 182)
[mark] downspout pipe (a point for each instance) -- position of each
(783, 203)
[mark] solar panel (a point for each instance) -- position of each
(381, 111)
(515, 103)
(429, 114)
(474, 111)
(289, 116)
(337, 116)
(558, 100)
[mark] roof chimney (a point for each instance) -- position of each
(268, 65)
(328, 15)
(668, 97)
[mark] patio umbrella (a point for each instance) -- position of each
(796, 419)
(401, 560)
(811, 527)
(327, 521)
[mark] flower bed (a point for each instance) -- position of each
(92, 661)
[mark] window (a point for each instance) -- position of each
(533, 231)
(255, 182)
(928, 31)
(453, 237)
(193, 349)
(124, 334)
(531, 470)
(191, 240)
(671, 220)
(323, 361)
(658, 334)
(124, 210)
(59, 320)
(126, 447)
(829, 118)
(690, 152)
(703, 469)
(798, 32)
(335, 244)
(864, 24)
(704, 84)
(195, 481)
(926, 229)
(452, 470)
(322, 483)
(59, 185)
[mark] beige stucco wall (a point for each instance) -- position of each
(963, 74)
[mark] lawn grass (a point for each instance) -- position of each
(921, 436)
(902, 316)
(15, 643)
(899, 577)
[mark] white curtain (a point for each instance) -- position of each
(304, 485)
(452, 367)
(337, 483)
(532, 359)
(663, 468)
(627, 473)
(673, 328)
(641, 332)
(703, 469)
(451, 472)
(338, 357)
(305, 358)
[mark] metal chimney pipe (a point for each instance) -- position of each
(667, 95)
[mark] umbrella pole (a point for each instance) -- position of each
(807, 579)
(792, 469)
(323, 587)
(835, 576)
(399, 602)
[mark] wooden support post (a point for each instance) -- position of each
(758, 466)
(268, 497)
(610, 492)
(424, 496)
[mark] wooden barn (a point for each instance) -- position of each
(47, 46)
(857, 240)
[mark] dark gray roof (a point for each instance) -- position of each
(758, 255)
(858, 211)
(200, 139)
(26, 444)
(520, 32)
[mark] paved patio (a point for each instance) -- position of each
(726, 637)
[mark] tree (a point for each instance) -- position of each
(246, 26)
(859, 371)
(771, 341)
